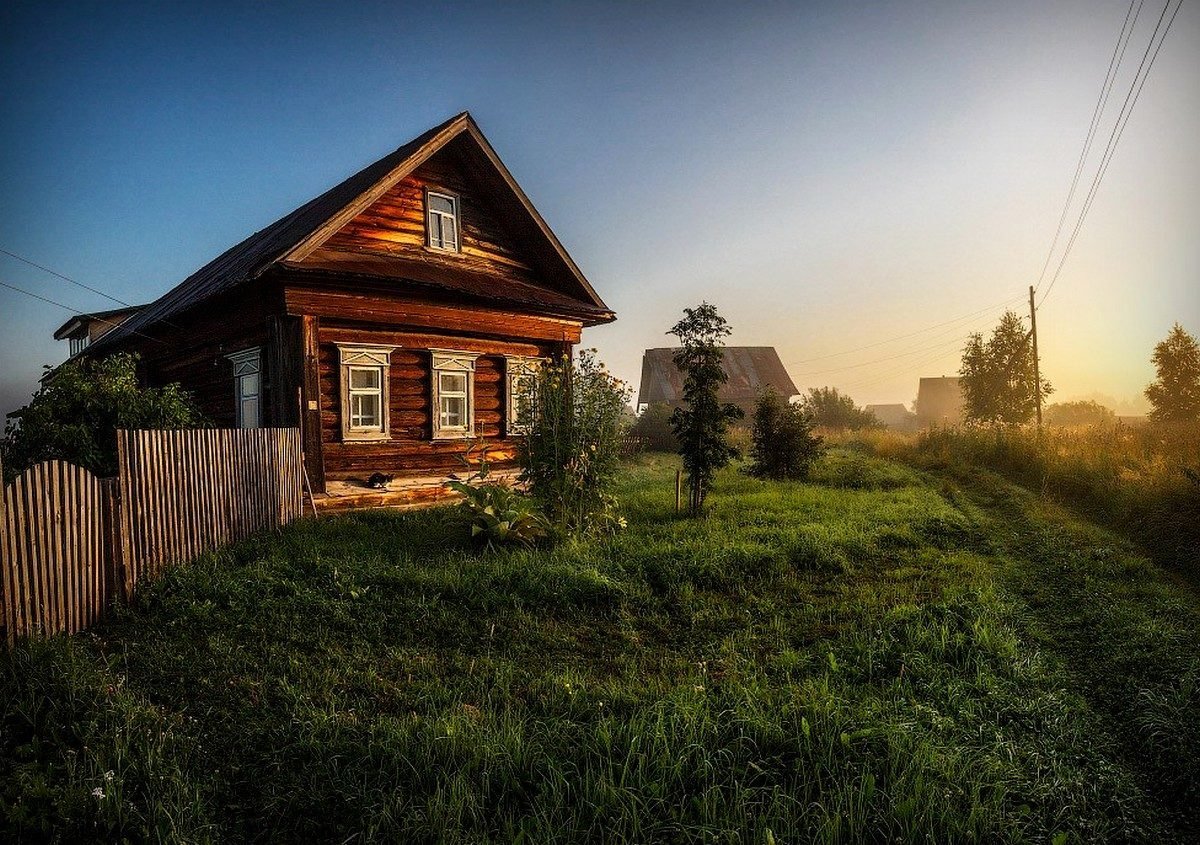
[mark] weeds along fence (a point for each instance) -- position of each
(71, 544)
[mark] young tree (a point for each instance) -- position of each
(783, 444)
(996, 376)
(830, 409)
(75, 414)
(701, 427)
(1175, 394)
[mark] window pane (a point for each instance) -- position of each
(364, 378)
(449, 233)
(435, 230)
(248, 384)
(454, 412)
(364, 410)
(249, 413)
(440, 203)
(453, 382)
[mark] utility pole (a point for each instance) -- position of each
(1037, 376)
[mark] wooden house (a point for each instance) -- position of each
(939, 401)
(749, 369)
(391, 318)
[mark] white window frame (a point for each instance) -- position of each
(80, 343)
(358, 356)
(454, 216)
(458, 362)
(246, 363)
(516, 367)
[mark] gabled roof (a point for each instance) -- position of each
(750, 369)
(288, 240)
(80, 321)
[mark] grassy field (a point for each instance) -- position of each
(882, 654)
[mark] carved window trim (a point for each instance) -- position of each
(516, 369)
(452, 362)
(247, 386)
(353, 357)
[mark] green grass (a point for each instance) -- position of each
(880, 654)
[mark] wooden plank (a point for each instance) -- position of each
(311, 399)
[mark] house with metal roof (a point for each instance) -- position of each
(750, 370)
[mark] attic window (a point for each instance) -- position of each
(80, 343)
(441, 221)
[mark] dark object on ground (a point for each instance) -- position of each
(378, 480)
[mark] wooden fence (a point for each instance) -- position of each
(71, 543)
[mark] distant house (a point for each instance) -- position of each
(895, 416)
(939, 401)
(82, 330)
(750, 369)
(393, 318)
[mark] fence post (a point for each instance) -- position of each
(5, 563)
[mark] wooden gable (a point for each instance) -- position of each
(390, 234)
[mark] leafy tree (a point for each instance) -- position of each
(1175, 394)
(574, 423)
(653, 427)
(831, 409)
(75, 414)
(701, 427)
(1082, 412)
(996, 376)
(783, 444)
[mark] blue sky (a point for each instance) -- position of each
(830, 176)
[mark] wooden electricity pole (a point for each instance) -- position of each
(1037, 376)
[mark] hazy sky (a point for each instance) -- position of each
(830, 176)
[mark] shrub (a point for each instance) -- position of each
(75, 414)
(499, 515)
(1083, 412)
(573, 423)
(653, 428)
(831, 409)
(783, 443)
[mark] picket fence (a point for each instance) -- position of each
(71, 544)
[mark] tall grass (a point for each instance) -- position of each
(836, 661)
(1144, 481)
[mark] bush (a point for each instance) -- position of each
(75, 415)
(1084, 412)
(783, 444)
(571, 450)
(499, 515)
(653, 428)
(831, 409)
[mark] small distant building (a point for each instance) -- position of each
(939, 401)
(751, 369)
(895, 416)
(83, 330)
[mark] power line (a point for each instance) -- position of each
(910, 334)
(1110, 77)
(916, 350)
(64, 278)
(74, 310)
(1131, 98)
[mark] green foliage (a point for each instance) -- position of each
(1083, 412)
(783, 443)
(573, 419)
(996, 376)
(701, 426)
(499, 514)
(75, 414)
(1175, 394)
(830, 409)
(880, 655)
(653, 428)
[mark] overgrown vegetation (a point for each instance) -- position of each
(1143, 482)
(701, 426)
(573, 421)
(75, 414)
(783, 444)
(653, 429)
(877, 655)
(1077, 413)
